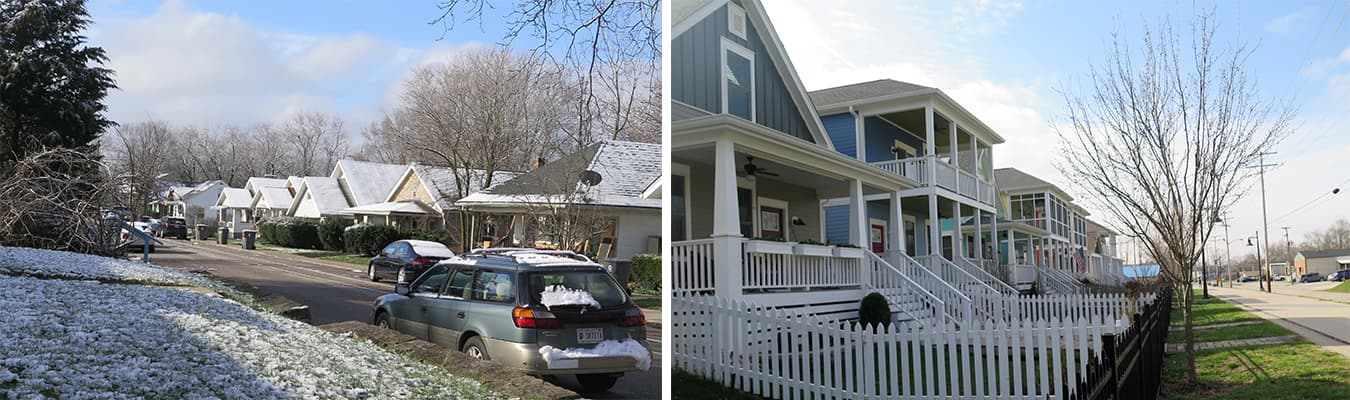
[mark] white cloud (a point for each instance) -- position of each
(1284, 23)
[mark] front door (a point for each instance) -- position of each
(878, 235)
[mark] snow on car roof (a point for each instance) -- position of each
(428, 248)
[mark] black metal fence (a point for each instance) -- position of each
(1130, 366)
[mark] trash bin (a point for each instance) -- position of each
(620, 269)
(201, 231)
(224, 236)
(249, 236)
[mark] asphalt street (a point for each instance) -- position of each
(339, 292)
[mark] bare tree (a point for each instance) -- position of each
(44, 205)
(317, 142)
(139, 153)
(1163, 140)
(1334, 237)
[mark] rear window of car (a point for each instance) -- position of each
(598, 283)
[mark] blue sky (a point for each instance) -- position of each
(1004, 60)
(212, 62)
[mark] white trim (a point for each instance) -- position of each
(777, 53)
(901, 144)
(775, 203)
(698, 16)
(683, 171)
(728, 45)
(734, 13)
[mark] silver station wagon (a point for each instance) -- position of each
(543, 314)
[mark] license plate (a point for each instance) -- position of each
(590, 335)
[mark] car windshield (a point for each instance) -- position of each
(597, 283)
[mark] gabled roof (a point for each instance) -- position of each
(688, 15)
(442, 185)
(1325, 253)
(1014, 180)
(256, 183)
(864, 90)
(366, 182)
(324, 192)
(272, 197)
(626, 170)
(182, 192)
(393, 207)
(233, 198)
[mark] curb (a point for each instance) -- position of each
(499, 378)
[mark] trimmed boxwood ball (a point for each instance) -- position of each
(874, 310)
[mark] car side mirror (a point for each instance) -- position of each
(402, 288)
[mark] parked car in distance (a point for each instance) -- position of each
(1248, 278)
(1339, 276)
(137, 242)
(522, 311)
(1311, 277)
(406, 259)
(155, 225)
(175, 227)
(1281, 277)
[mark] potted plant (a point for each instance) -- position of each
(848, 251)
(810, 247)
(768, 246)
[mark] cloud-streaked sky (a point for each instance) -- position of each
(1004, 60)
(243, 62)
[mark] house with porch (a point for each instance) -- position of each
(365, 183)
(752, 167)
(608, 189)
(192, 202)
(424, 196)
(233, 210)
(270, 202)
(318, 198)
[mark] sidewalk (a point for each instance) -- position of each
(1323, 322)
(1314, 290)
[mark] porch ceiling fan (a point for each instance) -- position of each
(752, 170)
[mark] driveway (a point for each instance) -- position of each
(1322, 321)
(337, 292)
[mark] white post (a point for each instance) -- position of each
(979, 235)
(857, 216)
(726, 222)
(958, 240)
(897, 228)
(859, 136)
(951, 137)
(934, 229)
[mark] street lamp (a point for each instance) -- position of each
(1260, 271)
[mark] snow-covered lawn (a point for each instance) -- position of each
(63, 338)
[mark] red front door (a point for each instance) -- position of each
(878, 238)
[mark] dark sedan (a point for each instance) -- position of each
(1311, 277)
(1340, 276)
(406, 259)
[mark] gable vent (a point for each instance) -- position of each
(736, 20)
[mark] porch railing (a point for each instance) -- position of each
(903, 293)
(692, 266)
(1059, 282)
(945, 175)
(956, 304)
(978, 271)
(913, 168)
(763, 271)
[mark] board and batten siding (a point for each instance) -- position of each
(841, 128)
(881, 136)
(696, 75)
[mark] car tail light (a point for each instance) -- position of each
(126, 235)
(633, 317)
(421, 261)
(527, 318)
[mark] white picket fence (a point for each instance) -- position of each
(778, 354)
(692, 265)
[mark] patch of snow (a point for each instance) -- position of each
(559, 295)
(610, 348)
(61, 264)
(82, 339)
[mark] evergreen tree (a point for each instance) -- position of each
(52, 84)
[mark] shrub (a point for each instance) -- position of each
(367, 239)
(291, 232)
(331, 232)
(874, 310)
(646, 276)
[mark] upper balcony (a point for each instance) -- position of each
(931, 172)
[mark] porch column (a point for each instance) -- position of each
(726, 231)
(958, 239)
(859, 136)
(979, 235)
(934, 227)
(857, 216)
(951, 137)
(896, 235)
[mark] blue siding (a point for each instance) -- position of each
(840, 128)
(696, 75)
(836, 224)
(881, 135)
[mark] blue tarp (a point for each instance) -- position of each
(1141, 270)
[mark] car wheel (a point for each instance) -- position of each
(474, 348)
(370, 270)
(595, 383)
(402, 274)
(382, 320)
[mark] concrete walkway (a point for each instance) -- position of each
(1322, 322)
(1177, 347)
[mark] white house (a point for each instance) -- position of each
(233, 211)
(365, 183)
(318, 197)
(423, 198)
(271, 202)
(610, 181)
(192, 202)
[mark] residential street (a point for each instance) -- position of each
(1325, 322)
(337, 292)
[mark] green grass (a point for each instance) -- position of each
(349, 258)
(1344, 287)
(648, 303)
(1286, 371)
(684, 385)
(1213, 311)
(1260, 330)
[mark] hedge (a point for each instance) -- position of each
(331, 231)
(291, 232)
(646, 276)
(368, 239)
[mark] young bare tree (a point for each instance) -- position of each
(1163, 139)
(317, 142)
(139, 153)
(44, 204)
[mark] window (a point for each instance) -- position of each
(738, 81)
(389, 250)
(679, 203)
(432, 280)
(736, 20)
(598, 283)
(494, 286)
(459, 281)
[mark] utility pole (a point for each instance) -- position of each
(1265, 225)
(1289, 264)
(1261, 281)
(1228, 250)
